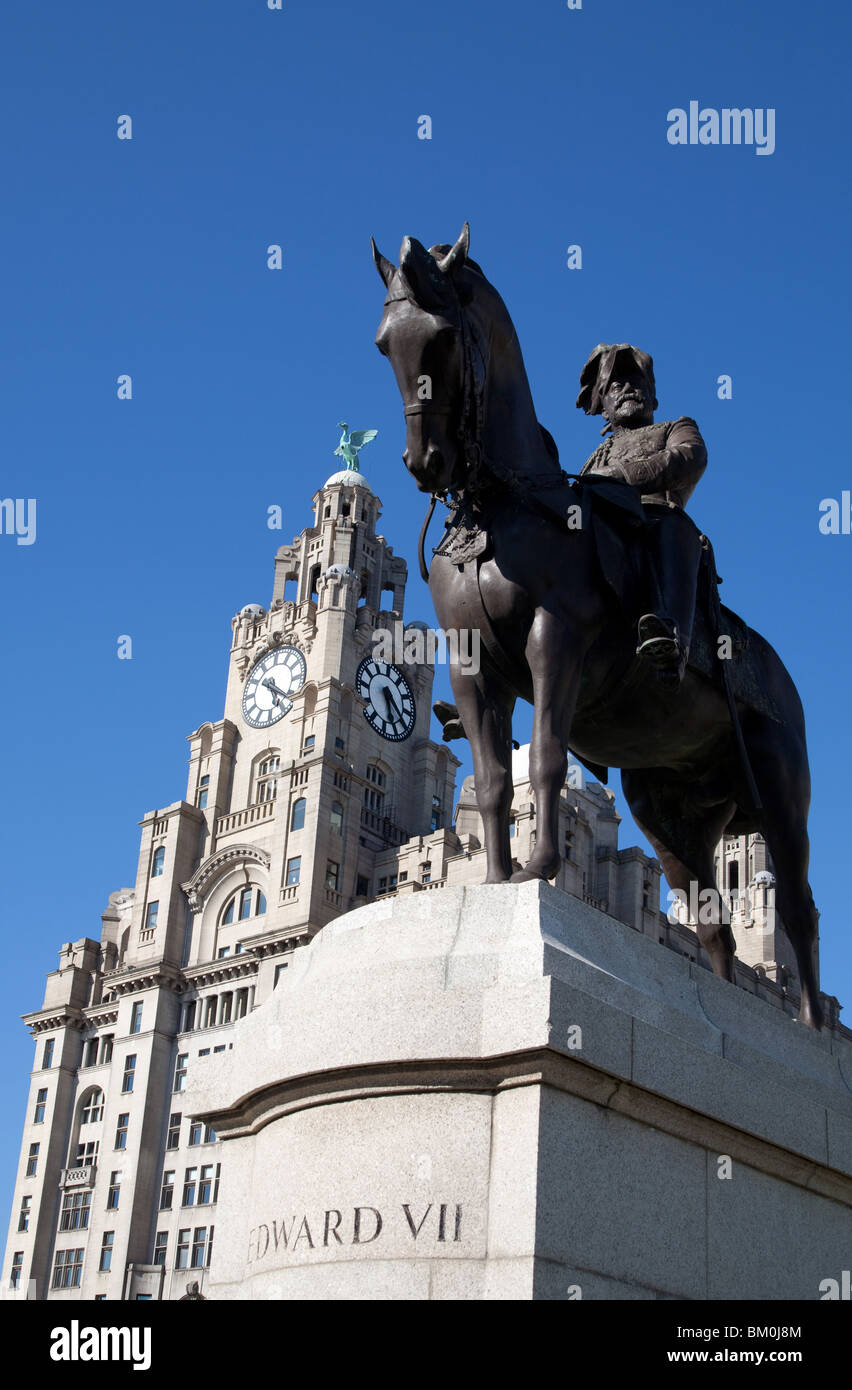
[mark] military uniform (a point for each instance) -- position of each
(663, 462)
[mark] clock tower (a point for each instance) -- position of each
(323, 759)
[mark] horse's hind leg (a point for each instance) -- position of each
(485, 707)
(684, 837)
(782, 775)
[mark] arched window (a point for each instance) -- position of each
(157, 862)
(267, 778)
(374, 797)
(247, 902)
(93, 1108)
(336, 817)
(297, 815)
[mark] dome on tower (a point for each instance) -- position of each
(348, 478)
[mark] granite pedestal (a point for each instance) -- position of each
(501, 1093)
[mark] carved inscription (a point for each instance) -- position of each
(438, 1223)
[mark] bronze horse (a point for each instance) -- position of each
(553, 633)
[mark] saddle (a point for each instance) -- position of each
(617, 517)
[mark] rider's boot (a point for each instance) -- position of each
(660, 643)
(674, 557)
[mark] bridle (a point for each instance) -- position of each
(474, 373)
(471, 423)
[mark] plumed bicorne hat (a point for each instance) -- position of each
(597, 374)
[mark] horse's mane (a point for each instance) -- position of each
(444, 248)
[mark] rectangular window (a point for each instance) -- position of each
(17, 1266)
(121, 1128)
(309, 742)
(157, 862)
(199, 1244)
(204, 1052)
(161, 1242)
(90, 1056)
(189, 1015)
(180, 1071)
(222, 952)
(173, 1136)
(167, 1190)
(86, 1154)
(208, 1186)
(76, 1208)
(106, 1250)
(227, 1002)
(114, 1191)
(24, 1214)
(196, 1130)
(32, 1160)
(47, 1058)
(203, 789)
(209, 1134)
(41, 1102)
(68, 1269)
(362, 886)
(332, 874)
(221, 1048)
(294, 867)
(279, 971)
(136, 1017)
(189, 1185)
(182, 1252)
(106, 1048)
(129, 1074)
(242, 1003)
(151, 916)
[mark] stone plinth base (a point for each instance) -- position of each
(501, 1093)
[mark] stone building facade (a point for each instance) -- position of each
(318, 790)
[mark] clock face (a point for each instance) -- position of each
(277, 675)
(390, 704)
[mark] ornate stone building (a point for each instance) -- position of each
(319, 789)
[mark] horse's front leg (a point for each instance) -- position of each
(485, 708)
(555, 663)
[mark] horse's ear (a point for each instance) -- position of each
(457, 255)
(386, 268)
(428, 283)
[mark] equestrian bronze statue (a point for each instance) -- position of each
(596, 599)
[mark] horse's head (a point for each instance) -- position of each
(438, 367)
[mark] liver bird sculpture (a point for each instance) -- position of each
(351, 444)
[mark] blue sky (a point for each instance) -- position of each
(300, 128)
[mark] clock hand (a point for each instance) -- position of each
(277, 695)
(392, 707)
